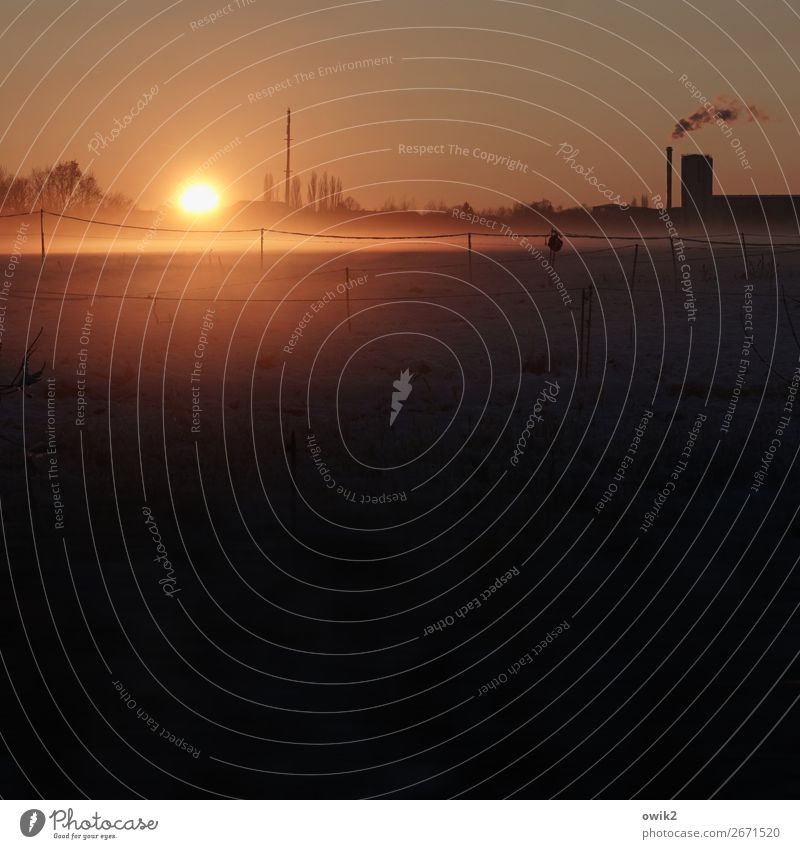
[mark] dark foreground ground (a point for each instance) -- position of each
(341, 607)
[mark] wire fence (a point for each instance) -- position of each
(737, 239)
(732, 245)
(686, 245)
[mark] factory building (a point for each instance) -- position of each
(700, 206)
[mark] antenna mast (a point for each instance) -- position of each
(288, 152)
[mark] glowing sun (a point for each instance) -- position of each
(199, 198)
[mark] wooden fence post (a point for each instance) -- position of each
(291, 447)
(580, 344)
(674, 264)
(347, 296)
(588, 331)
(633, 287)
(746, 258)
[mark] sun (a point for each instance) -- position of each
(199, 198)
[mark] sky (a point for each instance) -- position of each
(202, 88)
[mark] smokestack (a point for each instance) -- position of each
(669, 179)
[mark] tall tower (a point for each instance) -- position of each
(288, 154)
(669, 179)
(697, 181)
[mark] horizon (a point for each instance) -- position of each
(176, 110)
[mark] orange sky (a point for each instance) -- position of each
(499, 79)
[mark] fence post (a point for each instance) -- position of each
(580, 344)
(674, 264)
(262, 248)
(744, 248)
(347, 296)
(633, 286)
(469, 255)
(41, 228)
(588, 330)
(291, 447)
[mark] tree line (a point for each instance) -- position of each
(59, 188)
(64, 187)
(324, 193)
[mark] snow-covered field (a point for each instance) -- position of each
(169, 353)
(247, 413)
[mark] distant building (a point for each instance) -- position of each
(699, 203)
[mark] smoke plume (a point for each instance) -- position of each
(720, 112)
